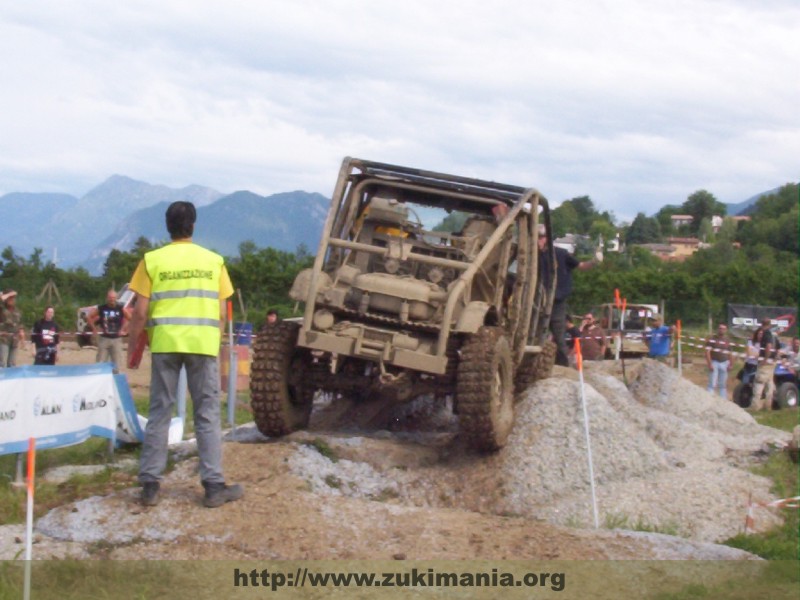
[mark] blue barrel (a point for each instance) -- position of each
(243, 333)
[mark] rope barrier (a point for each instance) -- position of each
(750, 521)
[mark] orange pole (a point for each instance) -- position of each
(578, 355)
(31, 463)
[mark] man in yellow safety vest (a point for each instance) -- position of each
(180, 297)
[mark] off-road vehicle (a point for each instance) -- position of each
(399, 305)
(627, 329)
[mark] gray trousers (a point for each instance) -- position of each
(8, 355)
(110, 349)
(202, 375)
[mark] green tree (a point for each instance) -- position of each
(564, 219)
(578, 215)
(664, 218)
(779, 204)
(702, 205)
(727, 232)
(643, 230)
(119, 265)
(602, 228)
(264, 276)
(584, 207)
(774, 221)
(452, 222)
(705, 231)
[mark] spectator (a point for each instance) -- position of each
(593, 339)
(180, 295)
(658, 339)
(112, 318)
(764, 384)
(45, 338)
(793, 357)
(272, 317)
(751, 356)
(565, 264)
(12, 334)
(719, 361)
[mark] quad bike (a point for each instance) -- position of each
(785, 395)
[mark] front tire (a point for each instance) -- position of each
(485, 389)
(786, 395)
(281, 393)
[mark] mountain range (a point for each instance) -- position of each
(748, 206)
(80, 232)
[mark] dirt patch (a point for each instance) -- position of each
(666, 456)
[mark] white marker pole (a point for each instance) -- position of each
(586, 431)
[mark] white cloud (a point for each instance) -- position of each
(635, 103)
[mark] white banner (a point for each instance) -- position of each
(64, 405)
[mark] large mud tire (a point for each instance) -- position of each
(786, 395)
(281, 394)
(485, 389)
(743, 395)
(535, 367)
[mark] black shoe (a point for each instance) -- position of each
(218, 494)
(150, 495)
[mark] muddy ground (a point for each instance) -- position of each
(411, 490)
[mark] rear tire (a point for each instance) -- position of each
(485, 389)
(535, 367)
(786, 395)
(84, 338)
(743, 394)
(281, 391)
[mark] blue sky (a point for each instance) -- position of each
(635, 103)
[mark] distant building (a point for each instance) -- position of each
(676, 249)
(663, 251)
(569, 242)
(680, 220)
(614, 245)
(684, 247)
(716, 223)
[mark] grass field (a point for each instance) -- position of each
(782, 543)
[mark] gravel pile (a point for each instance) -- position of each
(341, 477)
(667, 456)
